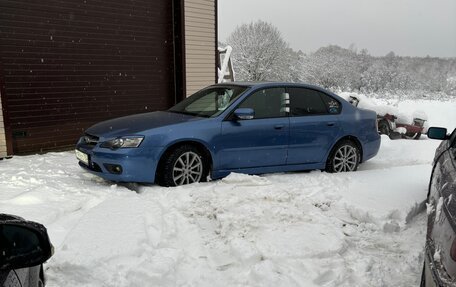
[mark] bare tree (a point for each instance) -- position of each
(260, 53)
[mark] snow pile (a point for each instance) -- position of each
(383, 107)
(293, 229)
(380, 108)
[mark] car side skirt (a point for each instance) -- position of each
(269, 169)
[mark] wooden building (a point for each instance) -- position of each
(67, 64)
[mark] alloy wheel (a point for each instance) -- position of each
(345, 159)
(188, 168)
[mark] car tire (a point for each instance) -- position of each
(183, 165)
(384, 128)
(344, 157)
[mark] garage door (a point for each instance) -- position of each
(66, 64)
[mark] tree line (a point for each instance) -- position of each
(261, 54)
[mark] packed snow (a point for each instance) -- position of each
(365, 228)
(382, 107)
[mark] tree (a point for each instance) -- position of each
(334, 67)
(260, 53)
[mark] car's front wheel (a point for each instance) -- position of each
(345, 156)
(183, 165)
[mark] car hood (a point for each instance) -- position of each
(137, 124)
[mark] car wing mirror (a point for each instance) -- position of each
(244, 113)
(23, 244)
(437, 133)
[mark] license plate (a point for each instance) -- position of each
(83, 157)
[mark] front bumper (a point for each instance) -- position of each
(137, 164)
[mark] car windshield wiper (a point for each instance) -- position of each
(189, 114)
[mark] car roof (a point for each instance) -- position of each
(273, 84)
(9, 217)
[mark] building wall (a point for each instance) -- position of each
(2, 132)
(67, 64)
(200, 44)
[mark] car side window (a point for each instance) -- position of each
(304, 102)
(267, 103)
(333, 105)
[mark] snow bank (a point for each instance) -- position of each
(292, 229)
(434, 112)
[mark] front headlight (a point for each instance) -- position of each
(123, 142)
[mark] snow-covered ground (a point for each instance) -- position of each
(292, 229)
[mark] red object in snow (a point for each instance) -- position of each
(387, 125)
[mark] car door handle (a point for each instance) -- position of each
(279, 127)
(331, 124)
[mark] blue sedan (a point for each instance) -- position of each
(251, 128)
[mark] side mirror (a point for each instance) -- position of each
(23, 244)
(437, 133)
(244, 113)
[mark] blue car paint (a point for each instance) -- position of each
(253, 143)
(281, 144)
(311, 137)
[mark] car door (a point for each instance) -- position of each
(441, 222)
(29, 277)
(9, 279)
(258, 142)
(314, 125)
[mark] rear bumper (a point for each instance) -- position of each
(371, 148)
(137, 164)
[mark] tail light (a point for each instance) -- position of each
(453, 250)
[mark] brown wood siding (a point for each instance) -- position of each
(67, 64)
(200, 43)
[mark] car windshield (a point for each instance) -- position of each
(209, 102)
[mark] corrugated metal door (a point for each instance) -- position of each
(66, 64)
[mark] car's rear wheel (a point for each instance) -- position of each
(344, 157)
(183, 165)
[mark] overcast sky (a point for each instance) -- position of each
(407, 27)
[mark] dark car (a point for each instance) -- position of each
(238, 127)
(24, 247)
(440, 251)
